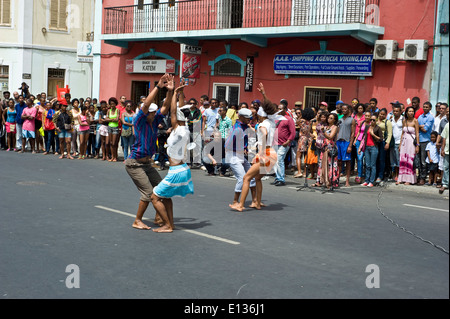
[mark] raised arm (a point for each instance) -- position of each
(152, 95)
(170, 85)
(173, 107)
(263, 92)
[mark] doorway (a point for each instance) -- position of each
(138, 89)
(230, 14)
(55, 78)
(142, 88)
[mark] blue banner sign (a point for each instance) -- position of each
(324, 64)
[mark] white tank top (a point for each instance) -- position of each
(271, 128)
(177, 143)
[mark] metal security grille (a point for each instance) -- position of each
(56, 73)
(4, 71)
(316, 95)
(227, 67)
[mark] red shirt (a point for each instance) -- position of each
(418, 113)
(121, 110)
(286, 130)
(370, 139)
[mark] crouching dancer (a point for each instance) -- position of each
(178, 182)
(139, 164)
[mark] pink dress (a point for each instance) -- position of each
(407, 173)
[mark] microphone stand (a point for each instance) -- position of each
(332, 190)
(306, 186)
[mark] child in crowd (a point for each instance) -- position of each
(432, 159)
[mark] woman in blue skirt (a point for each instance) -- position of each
(178, 182)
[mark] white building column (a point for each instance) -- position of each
(97, 48)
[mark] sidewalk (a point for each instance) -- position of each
(389, 185)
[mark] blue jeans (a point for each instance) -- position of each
(127, 142)
(360, 160)
(49, 140)
(445, 172)
(381, 163)
(371, 155)
(280, 168)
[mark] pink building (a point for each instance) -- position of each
(302, 50)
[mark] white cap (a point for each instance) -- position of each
(245, 113)
(152, 108)
(261, 112)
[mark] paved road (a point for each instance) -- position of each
(56, 213)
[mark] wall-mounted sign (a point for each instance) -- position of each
(190, 61)
(84, 51)
(249, 74)
(324, 64)
(150, 66)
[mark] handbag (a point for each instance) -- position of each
(127, 133)
(333, 151)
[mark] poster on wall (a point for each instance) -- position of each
(190, 61)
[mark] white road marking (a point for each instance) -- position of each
(430, 208)
(194, 232)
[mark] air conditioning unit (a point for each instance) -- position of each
(385, 50)
(416, 50)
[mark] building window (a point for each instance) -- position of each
(227, 67)
(315, 95)
(4, 76)
(58, 15)
(5, 12)
(228, 92)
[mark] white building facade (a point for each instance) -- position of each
(38, 45)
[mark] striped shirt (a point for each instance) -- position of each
(145, 135)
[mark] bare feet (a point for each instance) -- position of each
(237, 207)
(159, 222)
(140, 225)
(163, 229)
(69, 157)
(61, 157)
(257, 206)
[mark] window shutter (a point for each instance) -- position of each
(58, 15)
(54, 14)
(5, 18)
(62, 15)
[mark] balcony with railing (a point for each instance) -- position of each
(261, 19)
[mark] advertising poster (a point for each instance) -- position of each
(190, 61)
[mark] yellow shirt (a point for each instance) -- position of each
(232, 114)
